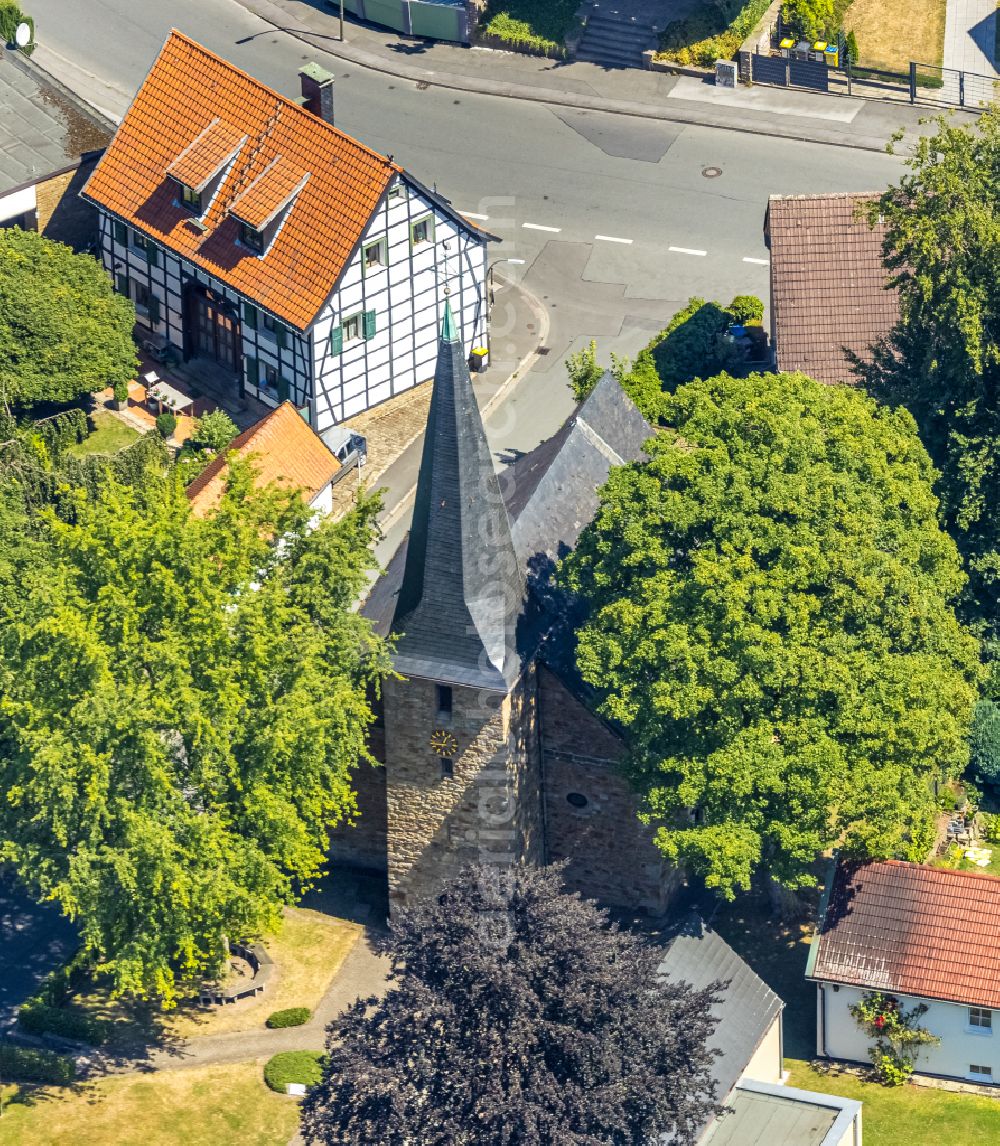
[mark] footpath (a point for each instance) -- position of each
(812, 117)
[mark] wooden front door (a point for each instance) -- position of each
(215, 333)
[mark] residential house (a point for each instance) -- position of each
(49, 144)
(283, 451)
(255, 236)
(757, 1109)
(829, 295)
(923, 935)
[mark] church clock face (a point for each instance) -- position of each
(443, 743)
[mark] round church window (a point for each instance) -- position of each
(577, 800)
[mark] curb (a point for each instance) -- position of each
(549, 96)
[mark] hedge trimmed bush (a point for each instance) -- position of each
(712, 32)
(39, 1018)
(290, 1017)
(303, 1066)
(25, 1064)
(539, 25)
(166, 423)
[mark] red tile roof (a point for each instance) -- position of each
(188, 90)
(928, 932)
(273, 189)
(827, 284)
(206, 155)
(282, 449)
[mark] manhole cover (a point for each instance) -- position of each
(711, 172)
(422, 85)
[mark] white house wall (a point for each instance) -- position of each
(765, 1065)
(407, 296)
(17, 203)
(959, 1048)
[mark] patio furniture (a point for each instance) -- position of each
(166, 396)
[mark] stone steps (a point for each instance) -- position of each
(613, 40)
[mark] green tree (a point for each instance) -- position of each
(584, 371)
(984, 742)
(182, 702)
(516, 1014)
(814, 19)
(63, 330)
(214, 431)
(942, 360)
(770, 622)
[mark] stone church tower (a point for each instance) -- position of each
(491, 750)
(461, 737)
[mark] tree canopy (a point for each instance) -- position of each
(182, 701)
(63, 330)
(516, 1014)
(942, 360)
(771, 623)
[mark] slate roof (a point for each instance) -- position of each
(43, 127)
(747, 1007)
(283, 450)
(463, 588)
(187, 90)
(927, 932)
(827, 283)
(550, 494)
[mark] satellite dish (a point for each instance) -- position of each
(22, 37)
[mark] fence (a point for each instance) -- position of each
(439, 19)
(951, 87)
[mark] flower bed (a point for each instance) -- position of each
(713, 32)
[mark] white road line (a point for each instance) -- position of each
(473, 215)
(759, 262)
(539, 227)
(612, 239)
(687, 251)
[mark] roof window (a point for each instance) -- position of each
(262, 207)
(199, 168)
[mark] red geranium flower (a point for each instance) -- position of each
(879, 1021)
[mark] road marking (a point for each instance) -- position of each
(612, 239)
(473, 215)
(759, 262)
(539, 227)
(687, 251)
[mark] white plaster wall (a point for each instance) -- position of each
(17, 203)
(765, 1065)
(323, 501)
(960, 1046)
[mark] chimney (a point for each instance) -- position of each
(317, 91)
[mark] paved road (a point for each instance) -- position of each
(617, 221)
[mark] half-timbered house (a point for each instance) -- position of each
(252, 233)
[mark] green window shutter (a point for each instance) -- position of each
(281, 334)
(250, 315)
(369, 324)
(152, 255)
(123, 285)
(121, 232)
(282, 389)
(337, 340)
(253, 371)
(154, 308)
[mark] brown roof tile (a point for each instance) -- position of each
(828, 287)
(928, 932)
(187, 89)
(283, 450)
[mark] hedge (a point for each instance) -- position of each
(539, 25)
(25, 1064)
(305, 1067)
(39, 1018)
(290, 1017)
(713, 32)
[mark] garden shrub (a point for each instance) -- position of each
(39, 1018)
(166, 423)
(121, 391)
(301, 1066)
(713, 32)
(290, 1017)
(26, 1064)
(540, 25)
(984, 742)
(897, 1033)
(10, 16)
(214, 431)
(746, 310)
(692, 345)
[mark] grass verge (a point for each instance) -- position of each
(110, 435)
(905, 1115)
(890, 33)
(201, 1106)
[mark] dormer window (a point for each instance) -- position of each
(252, 238)
(191, 198)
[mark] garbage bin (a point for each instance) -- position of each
(479, 359)
(832, 56)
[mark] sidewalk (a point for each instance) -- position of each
(970, 36)
(787, 113)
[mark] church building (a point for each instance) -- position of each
(490, 751)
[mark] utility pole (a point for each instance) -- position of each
(341, 21)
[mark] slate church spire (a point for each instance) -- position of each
(462, 587)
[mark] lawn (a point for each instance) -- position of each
(110, 435)
(907, 1115)
(308, 952)
(201, 1106)
(890, 33)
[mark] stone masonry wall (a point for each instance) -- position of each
(364, 844)
(488, 811)
(612, 857)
